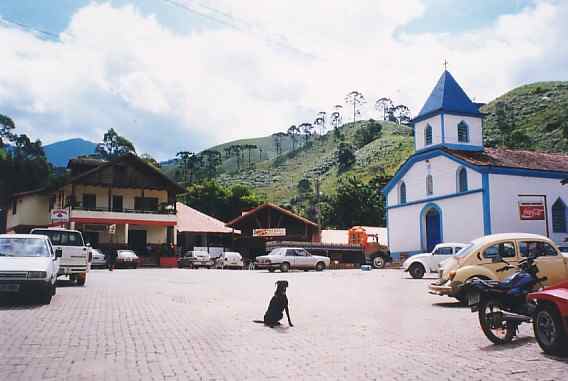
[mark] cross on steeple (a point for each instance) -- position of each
(445, 65)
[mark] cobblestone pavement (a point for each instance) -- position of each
(175, 324)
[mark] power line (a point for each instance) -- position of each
(43, 34)
(234, 23)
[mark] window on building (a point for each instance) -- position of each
(117, 204)
(402, 193)
(428, 135)
(429, 185)
(14, 206)
(559, 217)
(89, 201)
(462, 180)
(463, 132)
(146, 203)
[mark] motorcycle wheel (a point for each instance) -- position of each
(496, 330)
(549, 332)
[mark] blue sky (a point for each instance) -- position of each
(172, 79)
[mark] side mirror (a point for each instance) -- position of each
(58, 253)
(88, 244)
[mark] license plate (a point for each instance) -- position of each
(9, 287)
(473, 299)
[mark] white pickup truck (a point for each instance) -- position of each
(76, 256)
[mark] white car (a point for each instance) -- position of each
(28, 264)
(76, 255)
(286, 258)
(99, 259)
(229, 259)
(419, 264)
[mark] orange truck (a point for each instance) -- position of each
(375, 254)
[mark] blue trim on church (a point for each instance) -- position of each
(437, 198)
(456, 147)
(486, 203)
(443, 127)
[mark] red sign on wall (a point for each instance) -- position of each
(531, 211)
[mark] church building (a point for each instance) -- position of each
(453, 189)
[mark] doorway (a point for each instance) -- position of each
(432, 223)
(137, 241)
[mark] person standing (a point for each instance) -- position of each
(111, 259)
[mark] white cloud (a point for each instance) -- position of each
(115, 67)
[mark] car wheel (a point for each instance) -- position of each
(284, 267)
(379, 262)
(417, 271)
(549, 331)
(271, 270)
(320, 266)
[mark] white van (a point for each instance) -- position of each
(76, 256)
(28, 264)
(230, 259)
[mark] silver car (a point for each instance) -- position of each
(286, 258)
(98, 260)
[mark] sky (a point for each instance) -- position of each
(176, 75)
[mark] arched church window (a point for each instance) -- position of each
(429, 185)
(462, 180)
(463, 132)
(428, 135)
(402, 193)
(559, 217)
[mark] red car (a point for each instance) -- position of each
(126, 259)
(550, 321)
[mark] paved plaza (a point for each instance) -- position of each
(156, 324)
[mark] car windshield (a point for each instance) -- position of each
(465, 250)
(23, 247)
(62, 238)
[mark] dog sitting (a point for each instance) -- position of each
(278, 304)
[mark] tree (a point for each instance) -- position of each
(307, 130)
(336, 121)
(345, 156)
(356, 99)
(150, 160)
(370, 131)
(249, 148)
(305, 186)
(384, 106)
(320, 121)
(183, 164)
(277, 137)
(401, 114)
(211, 159)
(234, 150)
(293, 133)
(114, 145)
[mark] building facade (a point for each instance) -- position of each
(123, 203)
(454, 189)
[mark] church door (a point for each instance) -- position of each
(433, 229)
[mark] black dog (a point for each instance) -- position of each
(278, 304)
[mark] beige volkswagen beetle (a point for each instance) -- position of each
(479, 259)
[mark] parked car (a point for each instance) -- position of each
(28, 264)
(229, 259)
(550, 320)
(287, 258)
(98, 259)
(419, 264)
(563, 247)
(195, 259)
(127, 259)
(76, 254)
(476, 260)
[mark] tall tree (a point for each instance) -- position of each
(384, 106)
(277, 137)
(401, 114)
(356, 99)
(114, 145)
(345, 156)
(249, 148)
(307, 130)
(320, 122)
(293, 133)
(337, 121)
(212, 159)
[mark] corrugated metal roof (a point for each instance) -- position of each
(193, 221)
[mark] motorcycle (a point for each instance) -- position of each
(550, 322)
(504, 306)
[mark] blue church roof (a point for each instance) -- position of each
(448, 96)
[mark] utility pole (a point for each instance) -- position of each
(318, 211)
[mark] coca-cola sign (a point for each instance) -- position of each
(533, 211)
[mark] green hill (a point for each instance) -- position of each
(536, 113)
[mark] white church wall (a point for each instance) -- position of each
(444, 176)
(419, 127)
(451, 129)
(505, 191)
(462, 221)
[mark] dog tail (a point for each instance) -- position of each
(258, 321)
